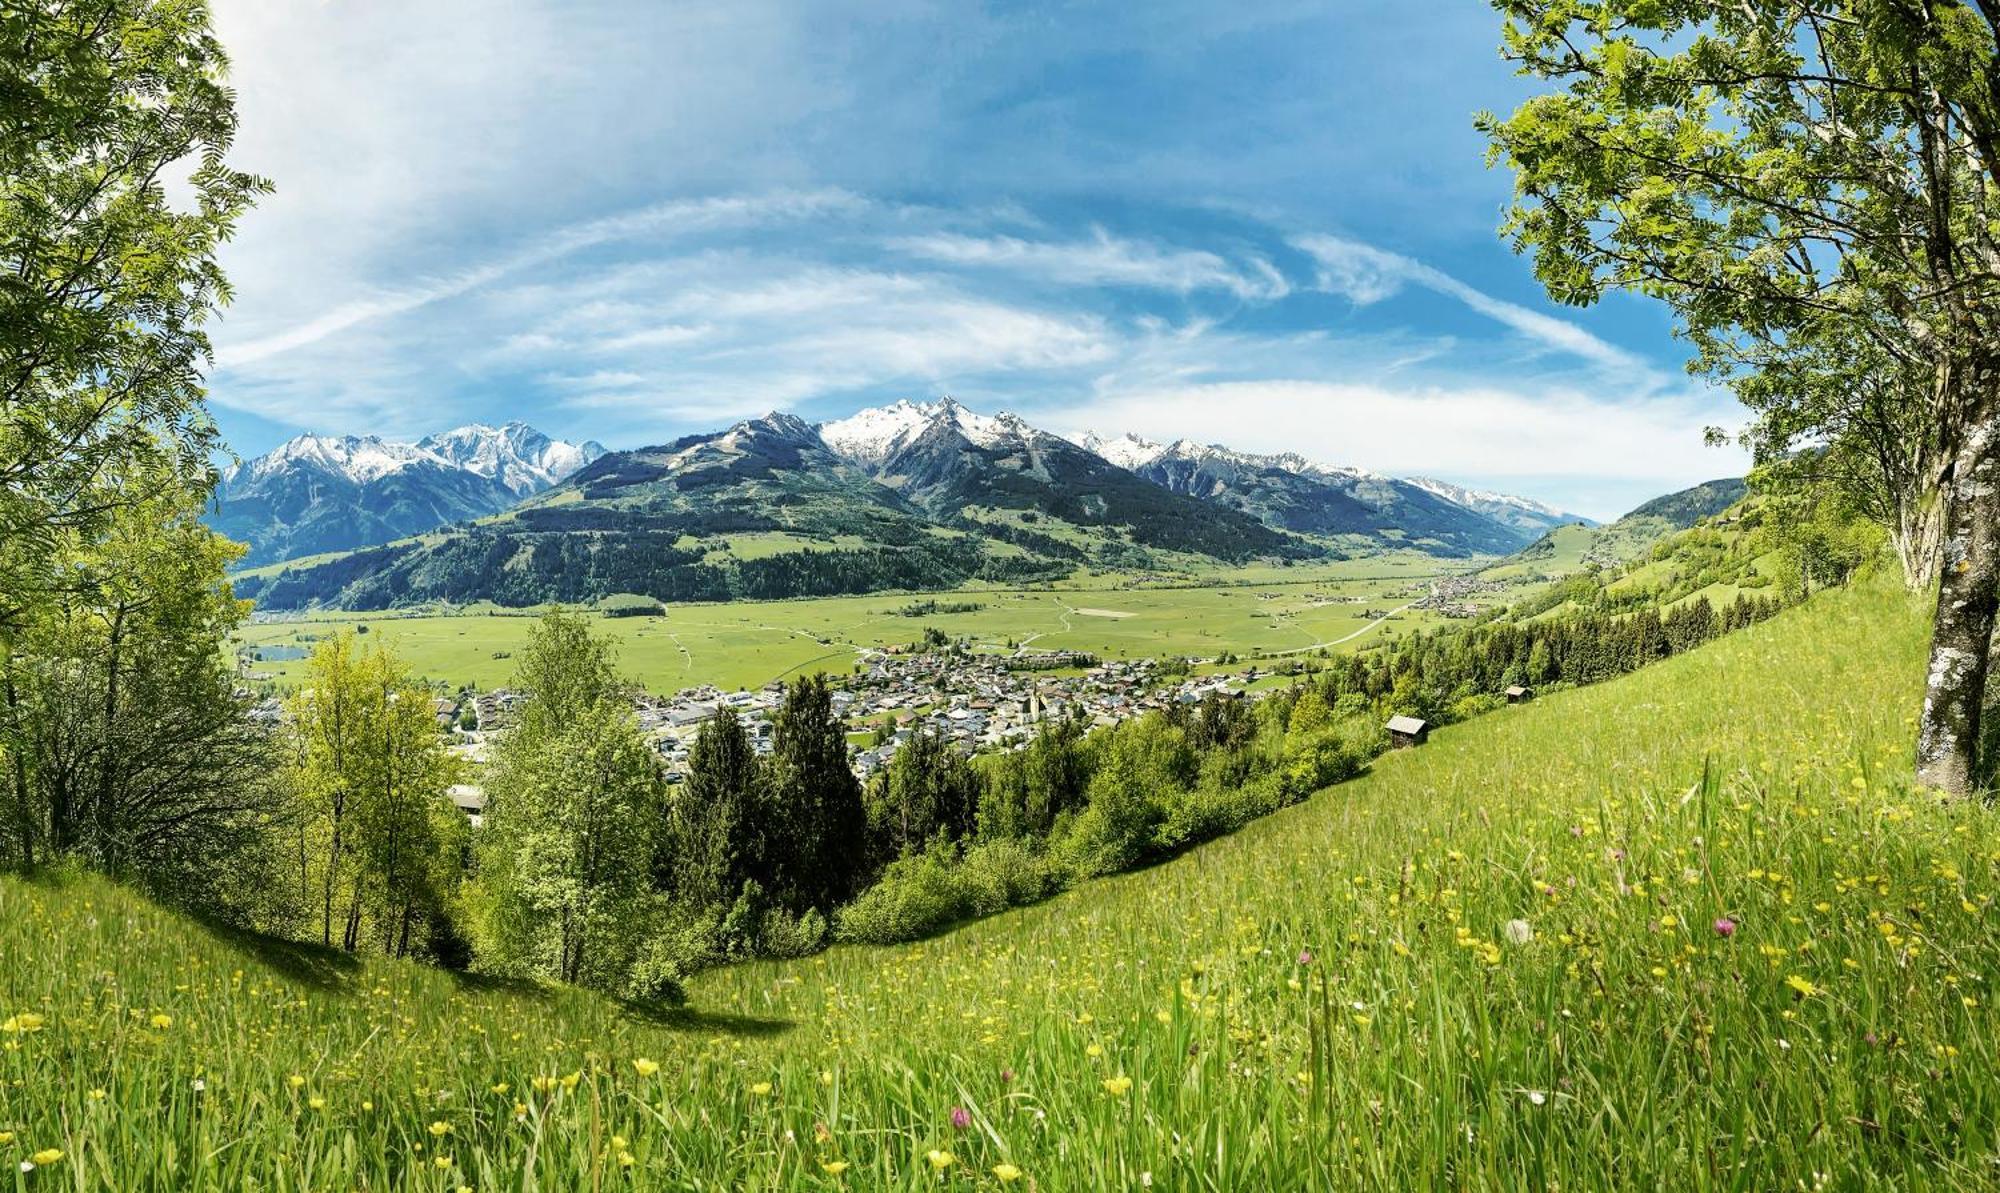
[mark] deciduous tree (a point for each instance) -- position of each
(1789, 176)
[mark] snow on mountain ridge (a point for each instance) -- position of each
(359, 458)
(1475, 498)
(872, 435)
(518, 456)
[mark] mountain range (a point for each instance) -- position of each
(321, 493)
(902, 496)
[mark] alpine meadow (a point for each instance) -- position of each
(823, 596)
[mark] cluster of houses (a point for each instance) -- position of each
(976, 701)
(1455, 596)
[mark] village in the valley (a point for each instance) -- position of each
(978, 700)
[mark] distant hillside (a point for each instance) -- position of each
(1683, 509)
(321, 493)
(1569, 548)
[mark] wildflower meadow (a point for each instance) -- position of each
(1673, 931)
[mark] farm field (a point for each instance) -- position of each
(1548, 949)
(749, 643)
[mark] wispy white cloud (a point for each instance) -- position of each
(1367, 274)
(1103, 260)
(658, 221)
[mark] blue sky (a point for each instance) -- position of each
(1265, 225)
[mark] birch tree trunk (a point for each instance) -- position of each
(1968, 593)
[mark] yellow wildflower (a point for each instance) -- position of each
(646, 1068)
(1007, 1173)
(940, 1160)
(1118, 1086)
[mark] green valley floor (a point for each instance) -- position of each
(1682, 930)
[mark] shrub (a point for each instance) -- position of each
(917, 895)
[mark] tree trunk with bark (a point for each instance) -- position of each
(1962, 633)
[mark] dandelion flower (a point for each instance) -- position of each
(1007, 1173)
(162, 1022)
(940, 1160)
(646, 1068)
(1805, 988)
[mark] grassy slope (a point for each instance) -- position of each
(1626, 1045)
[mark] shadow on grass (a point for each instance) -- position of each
(312, 965)
(493, 983)
(689, 1019)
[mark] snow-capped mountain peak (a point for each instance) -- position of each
(1128, 451)
(359, 458)
(317, 493)
(873, 435)
(517, 455)
(1487, 502)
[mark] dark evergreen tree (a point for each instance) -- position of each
(929, 790)
(713, 842)
(815, 825)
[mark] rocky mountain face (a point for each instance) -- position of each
(910, 495)
(320, 493)
(1292, 493)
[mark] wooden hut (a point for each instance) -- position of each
(1520, 694)
(1408, 731)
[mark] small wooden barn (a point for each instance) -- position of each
(1520, 694)
(1408, 731)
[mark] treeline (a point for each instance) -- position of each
(521, 569)
(1457, 672)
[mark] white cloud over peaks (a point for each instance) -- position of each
(1103, 260)
(1635, 449)
(1367, 274)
